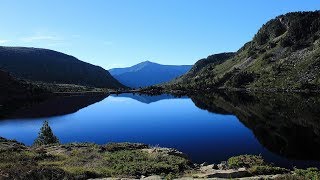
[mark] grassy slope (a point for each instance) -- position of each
(53, 67)
(284, 54)
(82, 161)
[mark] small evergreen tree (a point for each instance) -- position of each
(46, 136)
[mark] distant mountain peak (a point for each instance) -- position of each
(146, 63)
(148, 73)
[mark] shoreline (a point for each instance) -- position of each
(88, 161)
(177, 92)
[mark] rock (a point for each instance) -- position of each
(153, 178)
(204, 164)
(208, 168)
(230, 173)
(11, 145)
(113, 179)
(102, 149)
(223, 165)
(215, 166)
(167, 151)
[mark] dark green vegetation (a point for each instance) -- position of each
(245, 161)
(15, 93)
(53, 67)
(82, 161)
(310, 173)
(129, 160)
(46, 136)
(199, 67)
(11, 88)
(255, 164)
(283, 55)
(287, 124)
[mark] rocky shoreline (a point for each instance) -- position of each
(124, 161)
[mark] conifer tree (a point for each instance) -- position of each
(46, 136)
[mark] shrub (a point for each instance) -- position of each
(266, 170)
(310, 173)
(242, 79)
(267, 56)
(286, 42)
(245, 161)
(112, 147)
(46, 136)
(262, 38)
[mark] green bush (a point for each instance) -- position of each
(245, 161)
(241, 79)
(265, 170)
(267, 56)
(46, 136)
(286, 42)
(310, 173)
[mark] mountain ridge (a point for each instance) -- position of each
(148, 73)
(45, 65)
(284, 54)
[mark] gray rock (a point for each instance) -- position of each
(153, 178)
(204, 164)
(223, 165)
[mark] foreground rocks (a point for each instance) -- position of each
(126, 161)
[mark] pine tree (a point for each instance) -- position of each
(46, 136)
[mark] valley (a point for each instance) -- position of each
(252, 113)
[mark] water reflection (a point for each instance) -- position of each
(147, 99)
(283, 128)
(286, 124)
(48, 107)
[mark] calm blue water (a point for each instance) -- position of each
(170, 122)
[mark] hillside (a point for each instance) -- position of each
(15, 94)
(10, 88)
(53, 67)
(284, 54)
(148, 73)
(201, 66)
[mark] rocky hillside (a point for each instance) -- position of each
(201, 66)
(284, 54)
(53, 67)
(148, 73)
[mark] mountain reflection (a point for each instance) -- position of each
(287, 124)
(147, 99)
(48, 107)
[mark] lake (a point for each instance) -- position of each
(283, 128)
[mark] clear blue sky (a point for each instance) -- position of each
(118, 33)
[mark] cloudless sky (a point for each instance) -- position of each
(119, 33)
